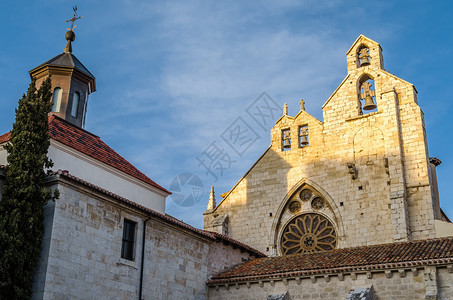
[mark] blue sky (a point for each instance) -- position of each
(173, 75)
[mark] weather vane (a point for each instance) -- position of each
(74, 18)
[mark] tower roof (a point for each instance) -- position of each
(65, 59)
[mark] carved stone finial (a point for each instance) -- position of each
(302, 105)
(285, 109)
(211, 203)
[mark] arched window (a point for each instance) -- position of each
(56, 99)
(363, 56)
(75, 104)
(367, 95)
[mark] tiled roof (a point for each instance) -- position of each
(91, 145)
(5, 137)
(405, 254)
(164, 217)
(66, 60)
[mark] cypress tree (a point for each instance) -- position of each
(23, 198)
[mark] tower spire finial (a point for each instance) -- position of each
(70, 35)
(211, 203)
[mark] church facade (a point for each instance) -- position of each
(362, 178)
(344, 208)
(366, 175)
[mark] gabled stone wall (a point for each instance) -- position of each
(370, 168)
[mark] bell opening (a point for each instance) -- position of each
(286, 139)
(367, 96)
(363, 56)
(303, 136)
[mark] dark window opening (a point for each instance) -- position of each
(127, 247)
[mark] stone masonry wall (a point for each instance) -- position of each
(396, 284)
(81, 255)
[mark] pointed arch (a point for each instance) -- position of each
(277, 226)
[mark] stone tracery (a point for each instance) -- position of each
(308, 233)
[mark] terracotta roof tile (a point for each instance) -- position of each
(5, 137)
(91, 145)
(164, 217)
(433, 251)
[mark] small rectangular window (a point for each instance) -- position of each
(127, 247)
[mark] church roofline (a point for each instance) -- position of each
(376, 258)
(89, 144)
(357, 41)
(383, 71)
(308, 115)
(239, 181)
(336, 90)
(163, 217)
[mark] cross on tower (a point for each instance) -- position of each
(74, 18)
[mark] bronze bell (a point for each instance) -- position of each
(369, 103)
(286, 144)
(304, 141)
(365, 62)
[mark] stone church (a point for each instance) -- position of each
(348, 202)
(344, 208)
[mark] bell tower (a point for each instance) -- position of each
(72, 83)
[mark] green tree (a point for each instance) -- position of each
(24, 195)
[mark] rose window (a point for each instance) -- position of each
(308, 233)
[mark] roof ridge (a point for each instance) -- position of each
(78, 61)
